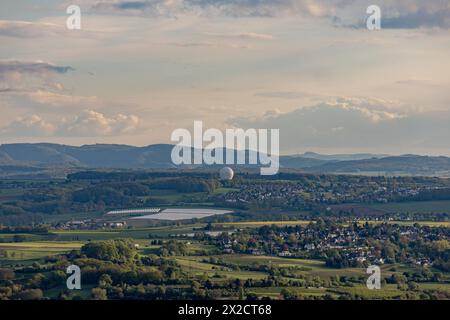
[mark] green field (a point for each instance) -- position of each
(257, 224)
(386, 292)
(410, 223)
(135, 233)
(27, 252)
(274, 292)
(192, 266)
(414, 207)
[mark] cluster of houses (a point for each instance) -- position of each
(351, 244)
(296, 193)
(91, 224)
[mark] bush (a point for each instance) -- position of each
(30, 294)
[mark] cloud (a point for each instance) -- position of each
(422, 18)
(45, 99)
(288, 95)
(205, 44)
(148, 7)
(405, 14)
(240, 40)
(19, 75)
(25, 29)
(234, 8)
(28, 126)
(133, 5)
(93, 123)
(34, 67)
(192, 44)
(266, 8)
(88, 124)
(243, 35)
(356, 124)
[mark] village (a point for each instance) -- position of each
(326, 192)
(357, 244)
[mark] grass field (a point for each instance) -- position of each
(304, 267)
(410, 223)
(266, 260)
(135, 233)
(225, 190)
(42, 244)
(414, 207)
(193, 266)
(27, 252)
(389, 291)
(256, 224)
(308, 267)
(9, 237)
(274, 292)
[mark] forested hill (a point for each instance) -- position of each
(32, 158)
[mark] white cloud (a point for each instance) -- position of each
(93, 123)
(59, 100)
(373, 109)
(29, 126)
(88, 124)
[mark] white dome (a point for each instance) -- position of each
(226, 173)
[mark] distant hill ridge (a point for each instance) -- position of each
(158, 156)
(342, 157)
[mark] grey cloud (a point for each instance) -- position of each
(134, 5)
(419, 19)
(147, 7)
(235, 8)
(36, 67)
(408, 14)
(356, 124)
(256, 8)
(27, 75)
(11, 90)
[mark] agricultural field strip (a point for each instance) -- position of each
(42, 245)
(198, 267)
(305, 222)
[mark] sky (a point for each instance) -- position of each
(138, 70)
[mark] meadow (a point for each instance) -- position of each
(442, 206)
(29, 252)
